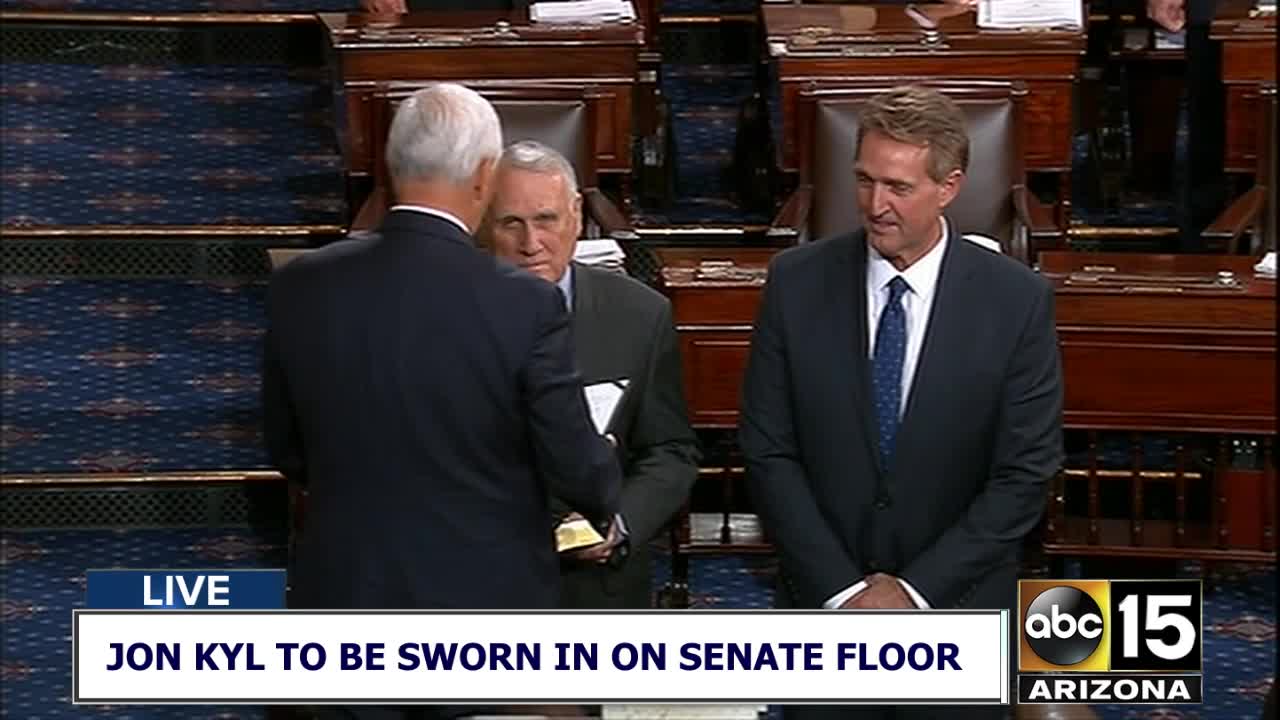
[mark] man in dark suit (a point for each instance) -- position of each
(622, 331)
(901, 412)
(425, 393)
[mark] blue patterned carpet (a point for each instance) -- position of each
(139, 144)
(704, 101)
(131, 375)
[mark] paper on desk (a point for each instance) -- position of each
(602, 400)
(583, 11)
(1018, 14)
(1267, 266)
(603, 253)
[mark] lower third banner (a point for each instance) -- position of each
(531, 657)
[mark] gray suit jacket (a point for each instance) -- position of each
(981, 436)
(623, 329)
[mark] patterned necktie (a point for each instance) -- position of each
(886, 367)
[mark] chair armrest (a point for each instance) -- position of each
(613, 224)
(1035, 215)
(1039, 231)
(1238, 216)
(372, 211)
(792, 219)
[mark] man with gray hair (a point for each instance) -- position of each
(425, 394)
(622, 332)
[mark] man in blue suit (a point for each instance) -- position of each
(902, 407)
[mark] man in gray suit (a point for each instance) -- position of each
(902, 407)
(622, 329)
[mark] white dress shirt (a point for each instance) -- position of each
(917, 302)
(435, 212)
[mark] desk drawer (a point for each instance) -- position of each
(715, 305)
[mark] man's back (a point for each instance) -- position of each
(423, 378)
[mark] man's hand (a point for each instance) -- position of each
(883, 592)
(1168, 14)
(600, 552)
(384, 7)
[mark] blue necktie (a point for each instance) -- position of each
(886, 367)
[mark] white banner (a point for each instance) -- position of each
(529, 657)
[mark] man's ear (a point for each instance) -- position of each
(949, 188)
(483, 180)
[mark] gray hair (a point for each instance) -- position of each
(443, 131)
(533, 156)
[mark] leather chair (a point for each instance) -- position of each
(993, 202)
(561, 117)
(1255, 211)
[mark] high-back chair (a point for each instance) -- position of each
(993, 201)
(1255, 211)
(563, 118)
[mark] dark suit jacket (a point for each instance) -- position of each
(426, 395)
(623, 329)
(979, 440)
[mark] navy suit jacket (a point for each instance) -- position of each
(980, 438)
(426, 395)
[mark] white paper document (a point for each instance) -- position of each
(1019, 14)
(604, 253)
(582, 11)
(1266, 267)
(603, 399)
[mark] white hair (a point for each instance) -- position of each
(443, 131)
(533, 156)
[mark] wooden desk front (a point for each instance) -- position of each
(1248, 61)
(825, 45)
(1178, 344)
(714, 293)
(484, 48)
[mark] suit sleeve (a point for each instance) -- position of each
(813, 559)
(579, 465)
(662, 450)
(280, 425)
(1027, 451)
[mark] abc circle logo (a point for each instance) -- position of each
(1063, 625)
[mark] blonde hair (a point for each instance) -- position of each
(923, 117)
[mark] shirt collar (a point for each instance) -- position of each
(921, 276)
(442, 214)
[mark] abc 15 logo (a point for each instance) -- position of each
(1109, 625)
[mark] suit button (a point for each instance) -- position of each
(882, 502)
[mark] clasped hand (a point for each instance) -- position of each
(883, 592)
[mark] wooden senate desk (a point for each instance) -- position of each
(479, 49)
(814, 46)
(1177, 344)
(1248, 61)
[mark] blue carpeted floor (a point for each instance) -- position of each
(142, 144)
(131, 375)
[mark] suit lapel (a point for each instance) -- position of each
(851, 312)
(944, 339)
(586, 323)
